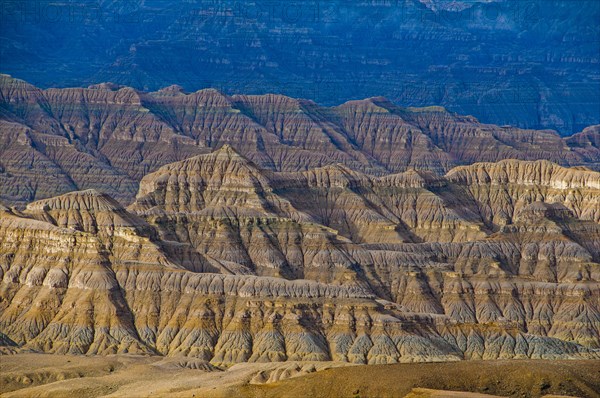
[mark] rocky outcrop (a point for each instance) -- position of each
(225, 207)
(71, 297)
(107, 137)
(469, 141)
(391, 139)
(124, 236)
(21, 166)
(546, 244)
(87, 211)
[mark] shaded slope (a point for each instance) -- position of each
(107, 137)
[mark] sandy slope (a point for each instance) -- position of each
(41, 375)
(514, 378)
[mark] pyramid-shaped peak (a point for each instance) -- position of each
(228, 151)
(227, 148)
(224, 159)
(222, 175)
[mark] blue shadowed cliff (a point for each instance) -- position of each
(530, 63)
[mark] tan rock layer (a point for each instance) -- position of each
(229, 263)
(80, 302)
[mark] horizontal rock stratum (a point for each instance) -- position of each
(108, 137)
(222, 259)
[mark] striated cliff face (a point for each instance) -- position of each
(100, 138)
(222, 260)
(108, 137)
(587, 145)
(502, 189)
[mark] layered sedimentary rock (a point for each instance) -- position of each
(502, 189)
(377, 126)
(222, 260)
(90, 305)
(21, 166)
(587, 145)
(98, 138)
(506, 63)
(107, 137)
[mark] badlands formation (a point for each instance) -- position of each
(108, 137)
(223, 261)
(222, 231)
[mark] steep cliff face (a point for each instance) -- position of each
(225, 207)
(548, 244)
(125, 237)
(307, 137)
(63, 296)
(87, 211)
(222, 260)
(469, 141)
(107, 137)
(71, 296)
(21, 165)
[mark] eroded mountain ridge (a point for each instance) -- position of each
(108, 137)
(221, 259)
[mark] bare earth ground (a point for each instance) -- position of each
(41, 375)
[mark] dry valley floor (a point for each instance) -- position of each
(42, 375)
